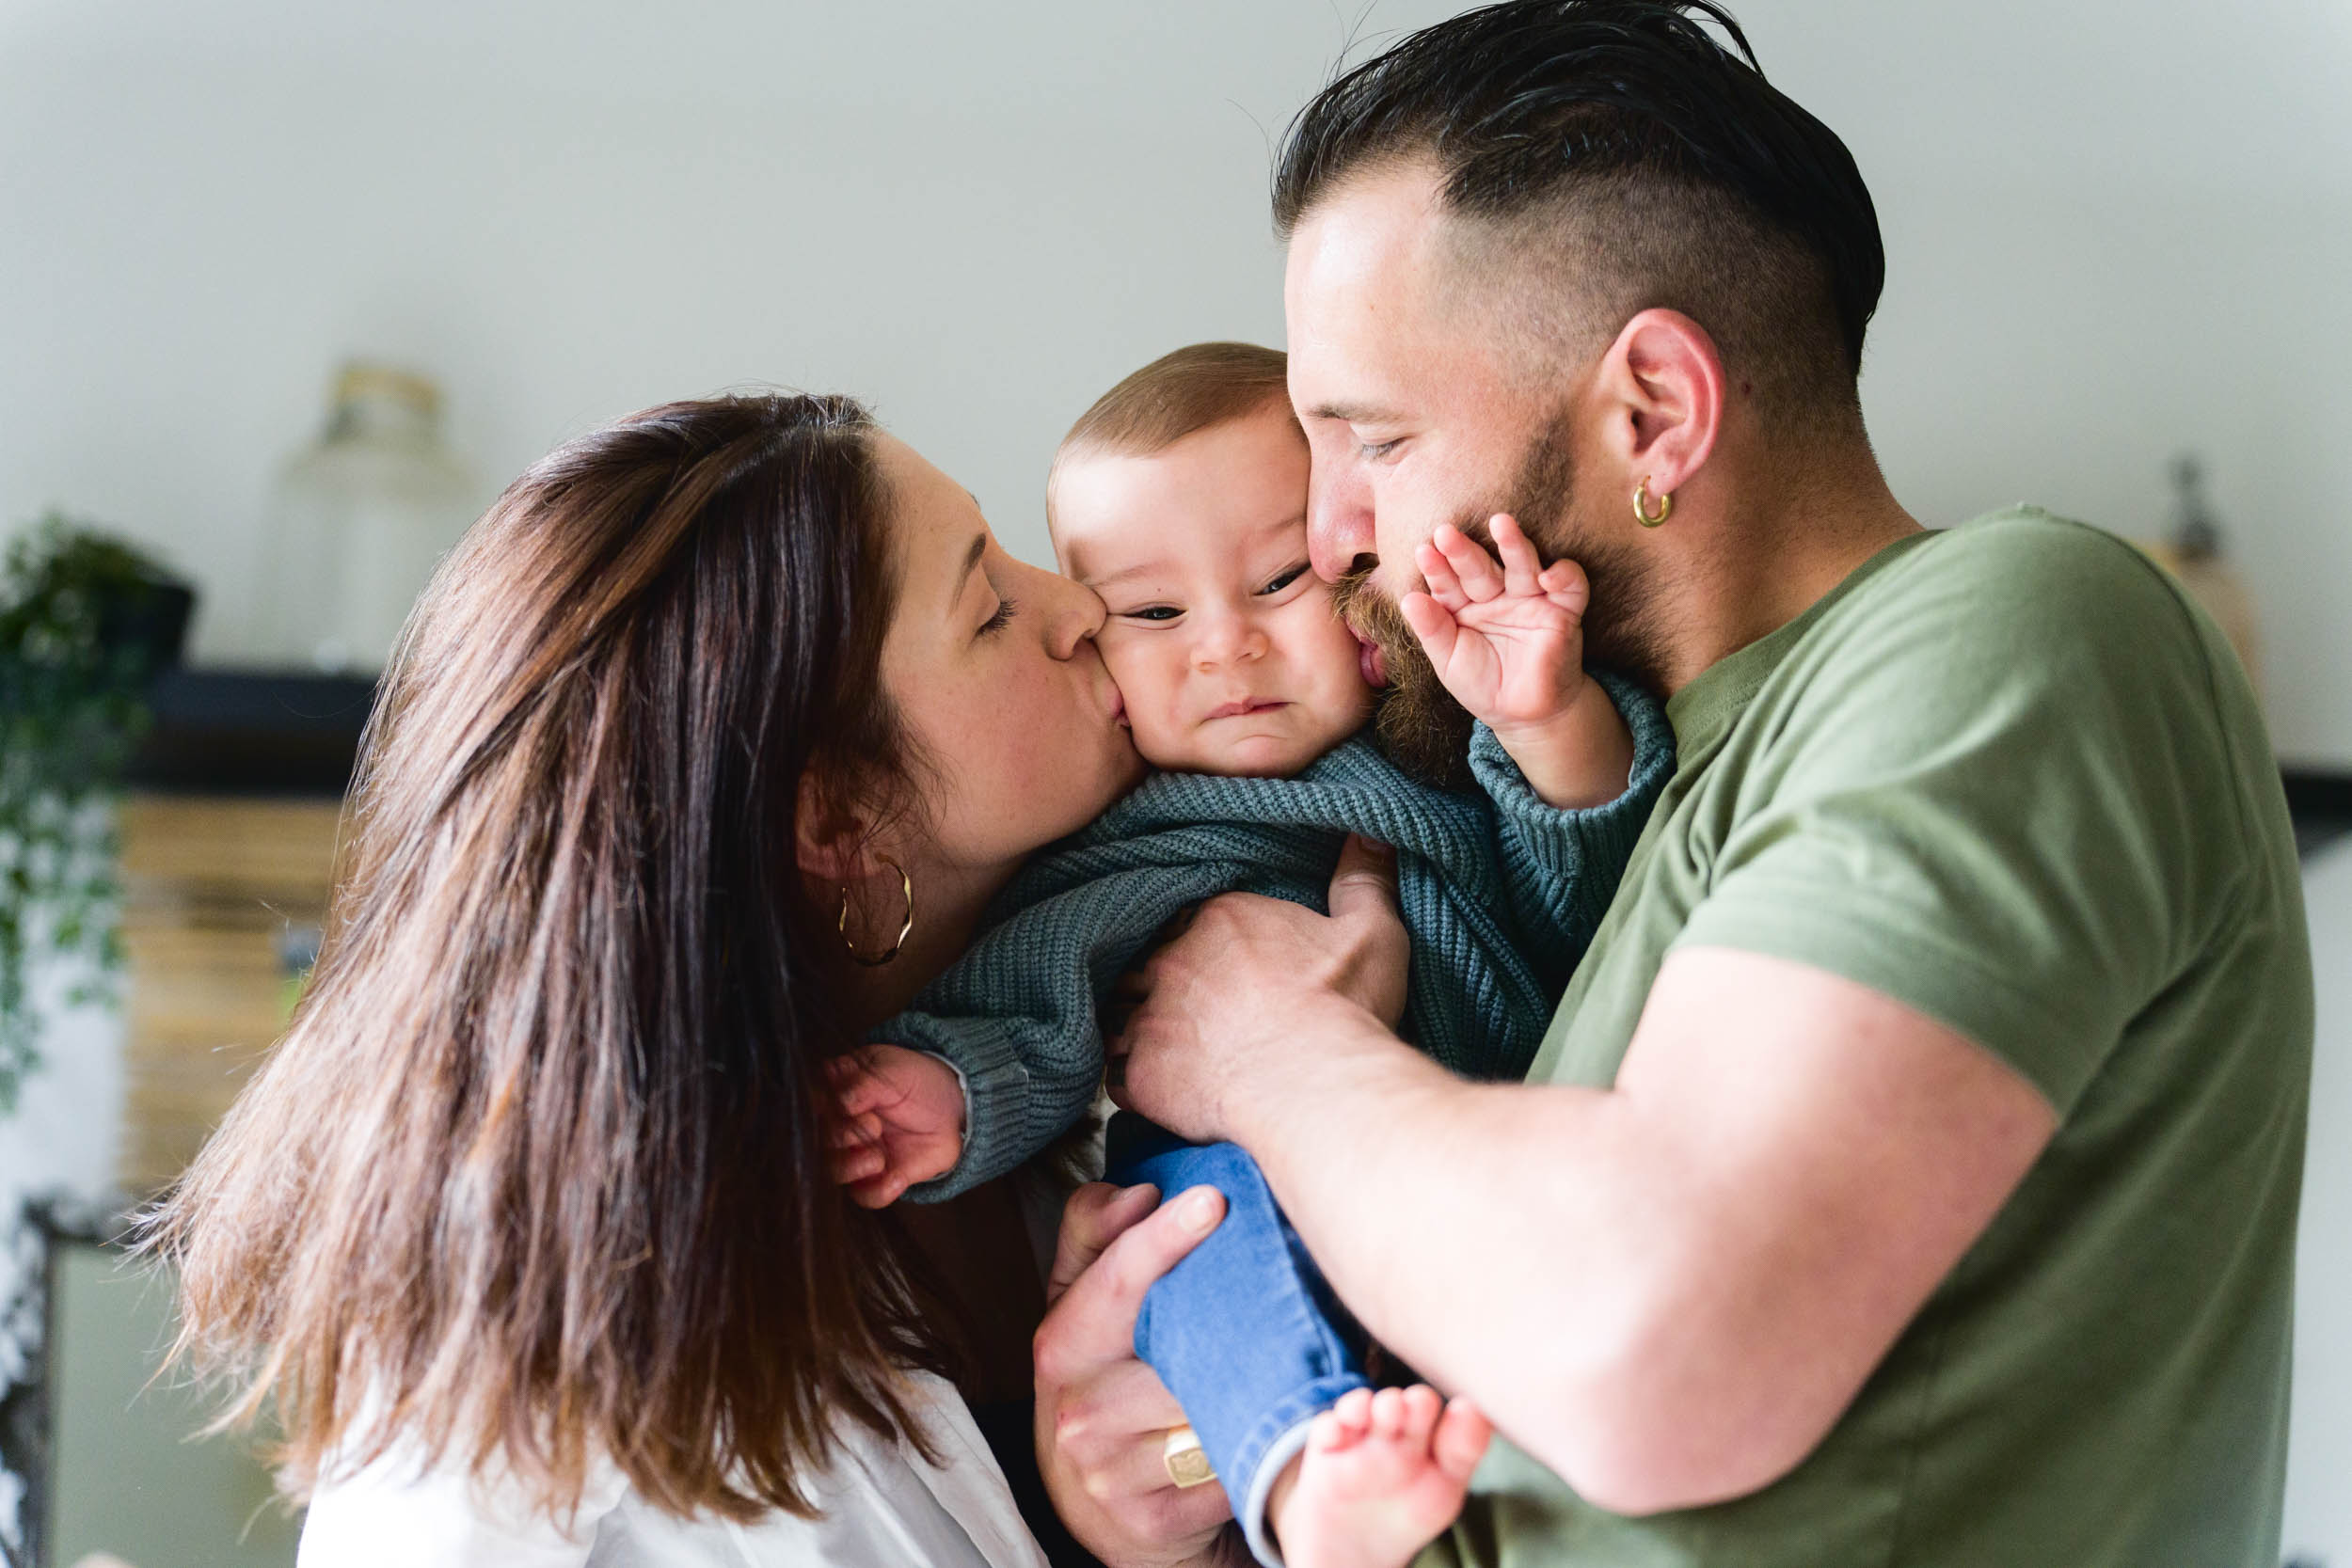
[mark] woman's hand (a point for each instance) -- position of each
(1254, 985)
(900, 1121)
(1103, 1417)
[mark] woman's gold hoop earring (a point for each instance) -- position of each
(906, 885)
(1642, 497)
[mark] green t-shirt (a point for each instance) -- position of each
(2008, 775)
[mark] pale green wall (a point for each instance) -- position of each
(130, 1480)
(2114, 229)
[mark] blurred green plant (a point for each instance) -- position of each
(86, 621)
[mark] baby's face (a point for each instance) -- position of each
(1222, 641)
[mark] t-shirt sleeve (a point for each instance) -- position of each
(1987, 800)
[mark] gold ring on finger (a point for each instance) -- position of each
(1188, 1466)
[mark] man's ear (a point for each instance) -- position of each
(829, 842)
(1662, 380)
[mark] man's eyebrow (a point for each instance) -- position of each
(971, 564)
(1352, 413)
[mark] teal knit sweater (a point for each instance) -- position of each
(1500, 895)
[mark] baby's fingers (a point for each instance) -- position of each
(880, 1190)
(1444, 586)
(1476, 569)
(861, 1164)
(1522, 569)
(1432, 623)
(862, 1091)
(1565, 584)
(850, 1131)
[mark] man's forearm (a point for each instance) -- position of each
(1496, 1237)
(1668, 1291)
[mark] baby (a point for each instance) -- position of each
(1180, 498)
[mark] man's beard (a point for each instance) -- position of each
(1420, 725)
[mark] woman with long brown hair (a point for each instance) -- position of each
(702, 754)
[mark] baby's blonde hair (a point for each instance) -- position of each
(1197, 387)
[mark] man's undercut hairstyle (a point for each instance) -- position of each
(1604, 157)
(1194, 388)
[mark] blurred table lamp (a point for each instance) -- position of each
(359, 522)
(2195, 554)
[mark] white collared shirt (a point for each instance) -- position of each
(884, 1506)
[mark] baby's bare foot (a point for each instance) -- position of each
(1381, 1476)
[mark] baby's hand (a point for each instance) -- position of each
(1508, 642)
(900, 1121)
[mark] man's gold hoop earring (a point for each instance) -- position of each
(906, 886)
(1642, 497)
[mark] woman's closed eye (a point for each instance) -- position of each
(1003, 618)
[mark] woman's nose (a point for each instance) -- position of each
(1070, 612)
(1339, 517)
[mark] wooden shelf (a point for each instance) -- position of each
(216, 893)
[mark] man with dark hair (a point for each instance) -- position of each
(1909, 1175)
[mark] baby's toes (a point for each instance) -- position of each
(1352, 1414)
(1460, 1442)
(1421, 1407)
(1388, 1415)
(1329, 1436)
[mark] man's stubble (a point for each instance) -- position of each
(1418, 724)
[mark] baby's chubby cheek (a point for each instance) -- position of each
(1150, 705)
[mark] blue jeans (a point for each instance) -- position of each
(1245, 1331)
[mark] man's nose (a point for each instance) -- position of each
(1338, 519)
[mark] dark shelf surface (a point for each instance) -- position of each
(2320, 801)
(239, 732)
(265, 732)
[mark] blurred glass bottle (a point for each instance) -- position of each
(2196, 552)
(357, 522)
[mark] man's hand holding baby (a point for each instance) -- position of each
(1218, 1028)
(1507, 641)
(900, 1121)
